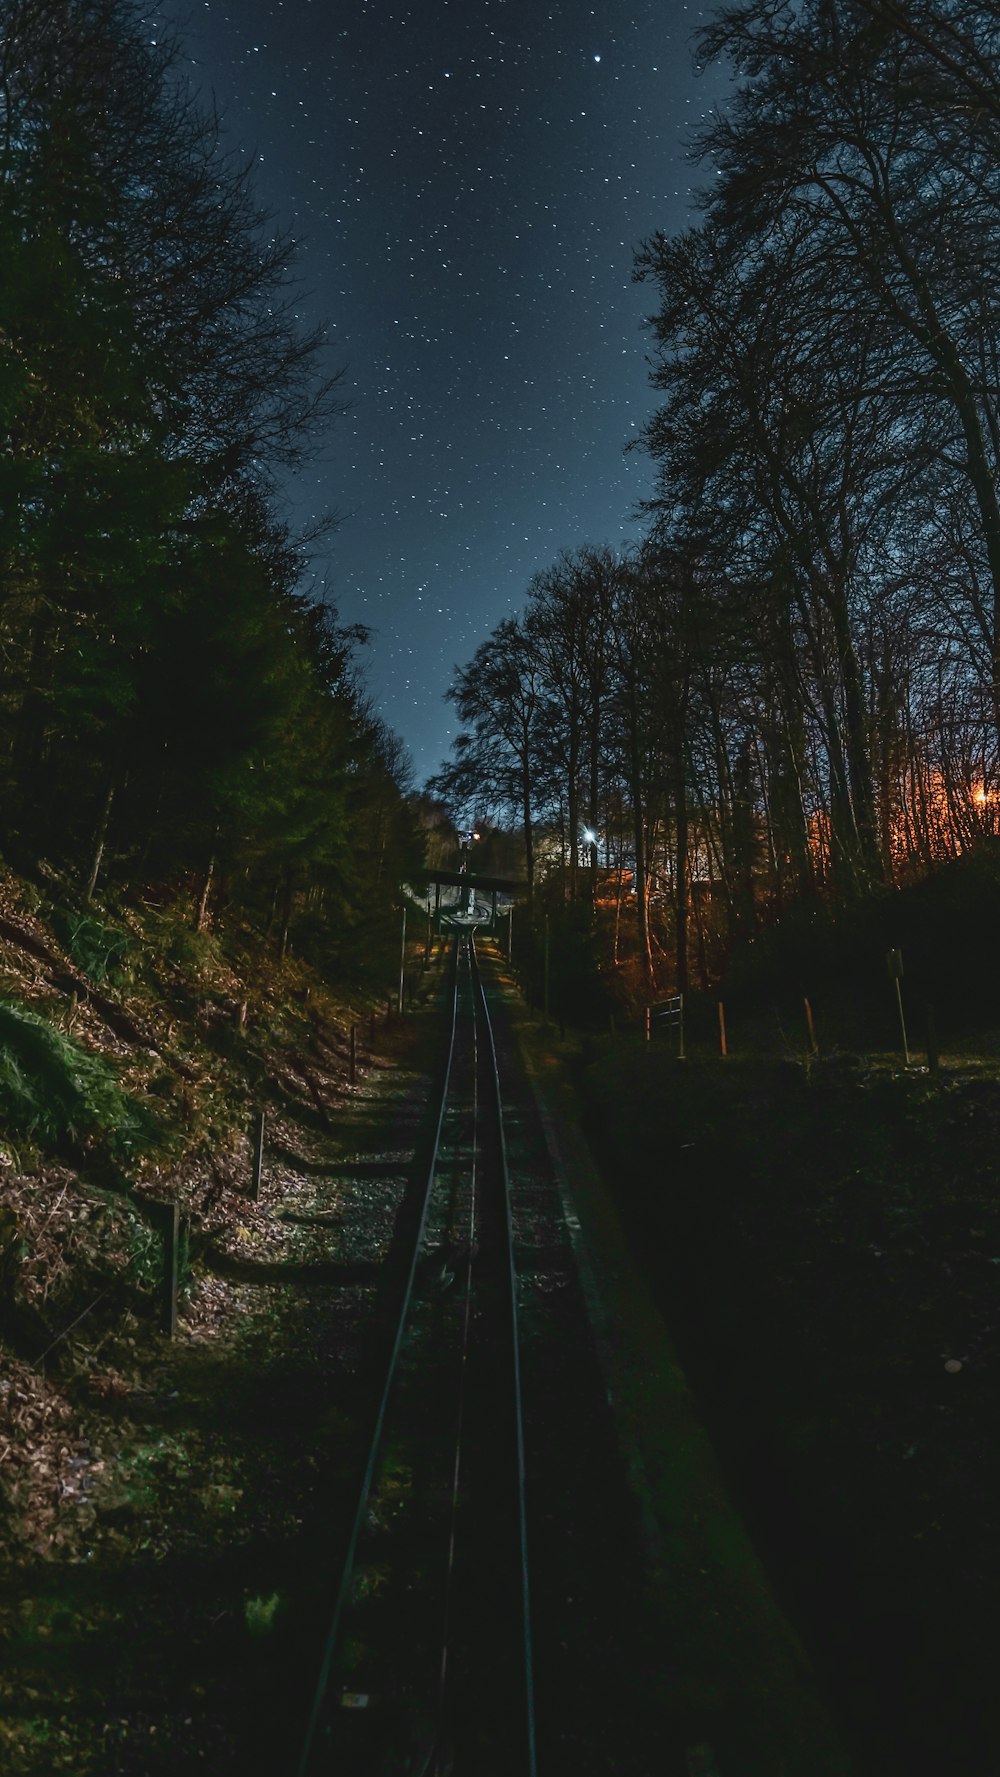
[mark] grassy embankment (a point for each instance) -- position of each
(824, 1240)
(819, 1226)
(153, 1496)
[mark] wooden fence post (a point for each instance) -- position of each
(258, 1156)
(173, 1270)
(167, 1217)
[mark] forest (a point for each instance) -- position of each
(786, 695)
(203, 829)
(745, 756)
(175, 709)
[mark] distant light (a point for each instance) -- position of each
(589, 837)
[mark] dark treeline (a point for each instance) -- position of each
(791, 689)
(172, 706)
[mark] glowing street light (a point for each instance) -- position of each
(466, 839)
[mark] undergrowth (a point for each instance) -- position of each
(54, 1092)
(99, 950)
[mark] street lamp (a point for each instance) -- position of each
(466, 839)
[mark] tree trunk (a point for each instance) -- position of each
(744, 843)
(529, 842)
(641, 888)
(29, 729)
(699, 927)
(273, 909)
(681, 872)
(618, 913)
(286, 916)
(201, 910)
(861, 788)
(592, 814)
(573, 803)
(99, 841)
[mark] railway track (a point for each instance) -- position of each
(428, 1663)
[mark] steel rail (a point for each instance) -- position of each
(347, 1573)
(529, 1678)
(456, 1481)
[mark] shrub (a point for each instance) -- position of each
(98, 950)
(53, 1091)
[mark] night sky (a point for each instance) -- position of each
(469, 180)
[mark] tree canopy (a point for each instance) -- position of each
(171, 698)
(793, 688)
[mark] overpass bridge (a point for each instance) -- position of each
(458, 900)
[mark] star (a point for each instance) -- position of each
(467, 251)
